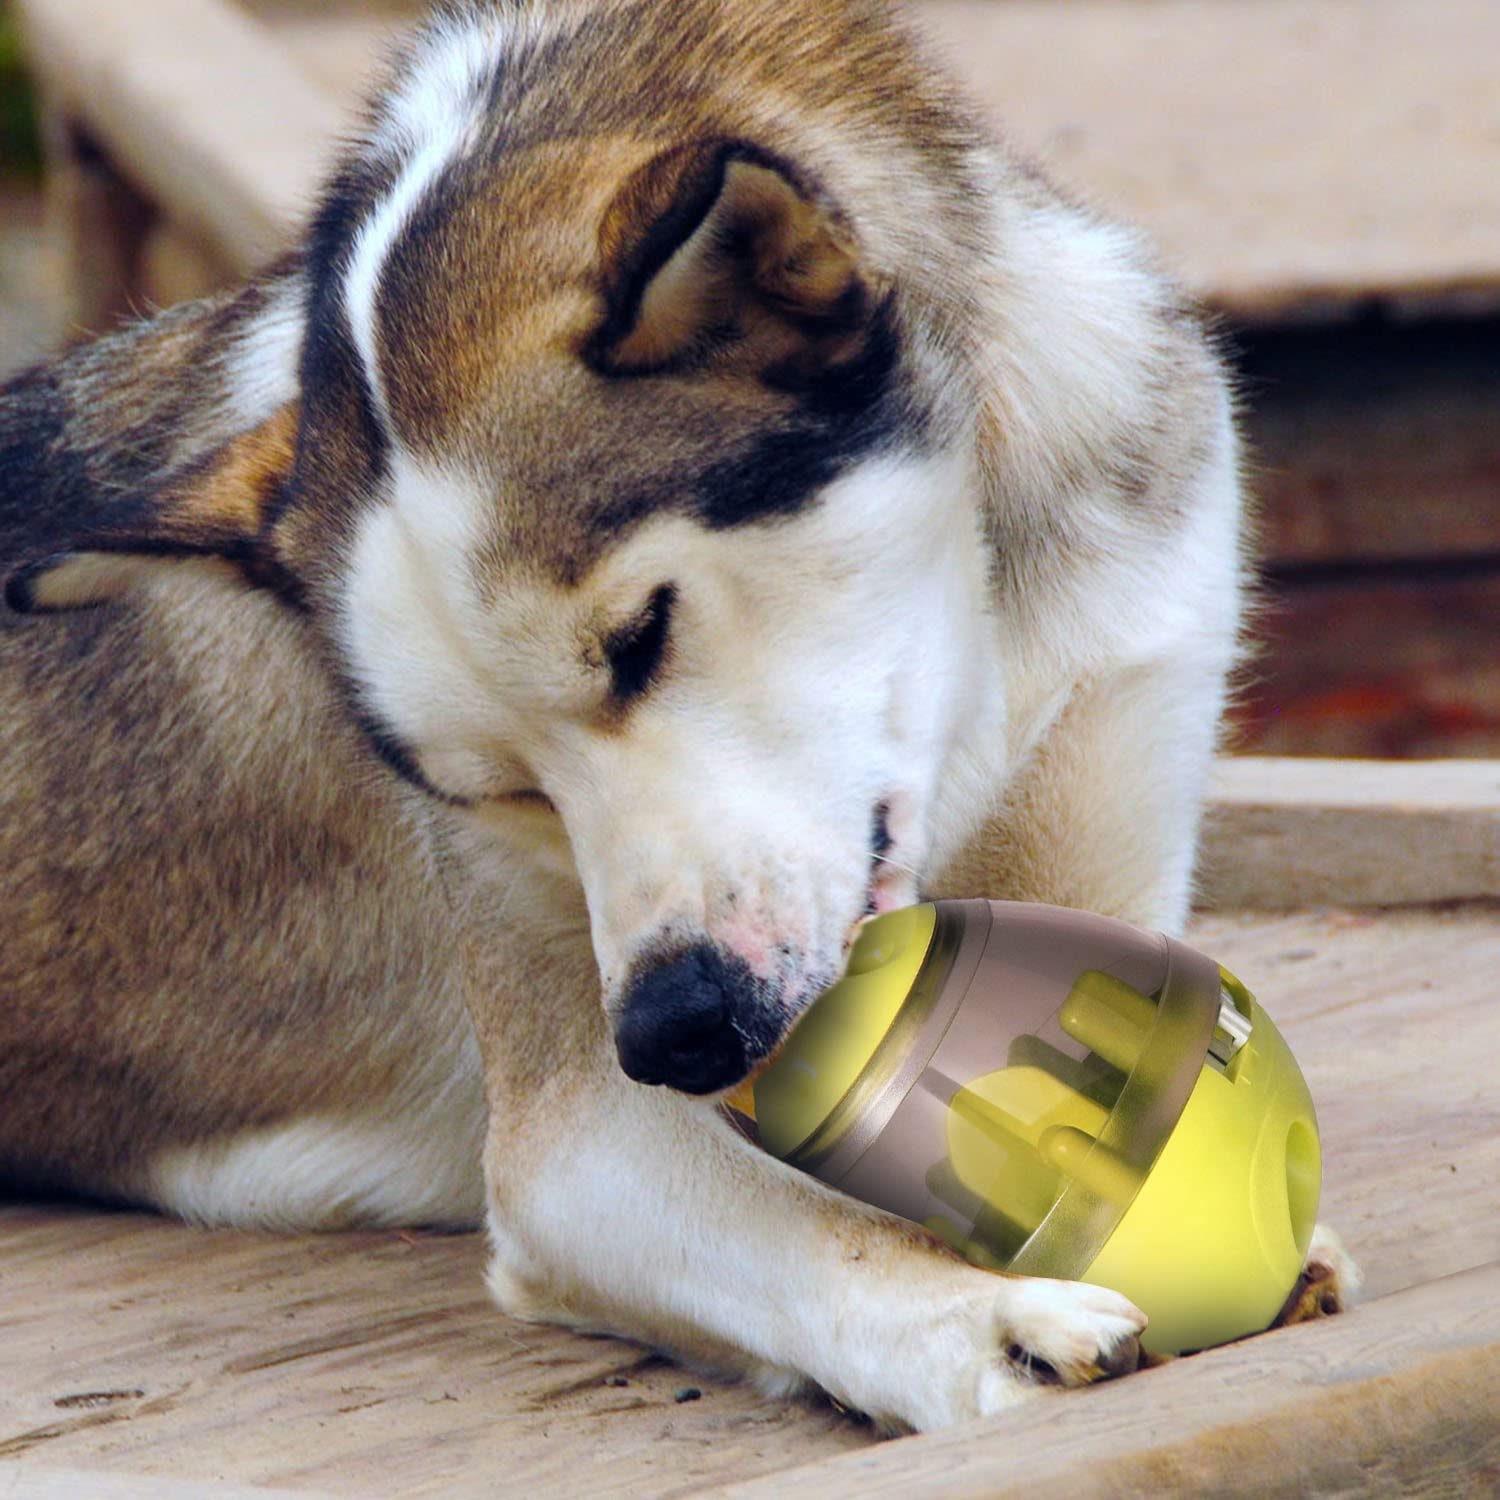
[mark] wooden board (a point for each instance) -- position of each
(199, 105)
(372, 1364)
(20, 1481)
(1284, 832)
(1294, 158)
(1345, 1407)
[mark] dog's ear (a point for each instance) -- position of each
(217, 506)
(718, 246)
(172, 439)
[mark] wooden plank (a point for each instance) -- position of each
(199, 104)
(361, 1364)
(373, 1365)
(1219, 127)
(1283, 833)
(1282, 152)
(96, 224)
(26, 1482)
(1387, 1012)
(1400, 1397)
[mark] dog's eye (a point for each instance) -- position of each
(635, 654)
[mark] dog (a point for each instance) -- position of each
(691, 488)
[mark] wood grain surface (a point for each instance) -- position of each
(1219, 127)
(1398, 1398)
(1293, 158)
(1285, 832)
(24, 1481)
(372, 1365)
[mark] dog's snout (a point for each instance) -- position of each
(690, 1021)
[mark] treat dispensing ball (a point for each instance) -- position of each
(1059, 1094)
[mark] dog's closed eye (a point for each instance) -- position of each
(635, 654)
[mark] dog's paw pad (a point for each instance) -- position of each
(1067, 1332)
(1330, 1283)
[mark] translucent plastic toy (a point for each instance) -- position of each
(1059, 1094)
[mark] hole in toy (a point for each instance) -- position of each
(1302, 1182)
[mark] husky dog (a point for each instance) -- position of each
(692, 488)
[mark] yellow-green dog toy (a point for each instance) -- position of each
(1059, 1094)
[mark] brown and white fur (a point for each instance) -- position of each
(690, 488)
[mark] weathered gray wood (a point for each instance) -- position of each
(1400, 1397)
(1219, 127)
(373, 1365)
(1285, 833)
(199, 104)
(27, 1482)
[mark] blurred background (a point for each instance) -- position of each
(1325, 173)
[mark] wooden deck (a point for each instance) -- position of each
(1219, 127)
(372, 1365)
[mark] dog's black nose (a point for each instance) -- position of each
(688, 1021)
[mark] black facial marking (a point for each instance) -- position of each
(850, 412)
(635, 654)
(844, 414)
(393, 752)
(45, 494)
(340, 425)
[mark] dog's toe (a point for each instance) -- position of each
(1330, 1283)
(1067, 1332)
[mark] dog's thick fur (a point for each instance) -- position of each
(691, 487)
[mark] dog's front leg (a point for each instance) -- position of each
(627, 1209)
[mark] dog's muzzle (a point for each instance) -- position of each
(697, 1021)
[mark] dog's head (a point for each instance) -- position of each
(607, 474)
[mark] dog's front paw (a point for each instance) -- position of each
(1025, 1335)
(1059, 1333)
(1330, 1283)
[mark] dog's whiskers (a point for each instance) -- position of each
(896, 864)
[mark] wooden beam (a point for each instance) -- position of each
(1398, 1397)
(1284, 833)
(98, 222)
(200, 105)
(1161, 114)
(1305, 210)
(372, 1364)
(27, 1482)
